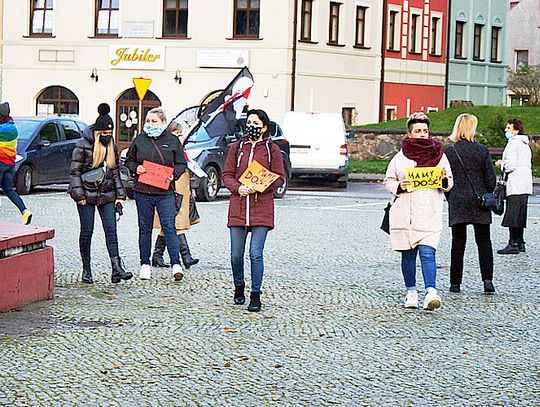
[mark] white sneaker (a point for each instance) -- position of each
(177, 272)
(411, 300)
(146, 272)
(432, 300)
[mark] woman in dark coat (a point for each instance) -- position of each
(249, 210)
(97, 150)
(463, 208)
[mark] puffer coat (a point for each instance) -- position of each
(81, 162)
(517, 164)
(255, 209)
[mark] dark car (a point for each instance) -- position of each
(44, 150)
(211, 152)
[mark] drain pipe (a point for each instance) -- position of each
(383, 49)
(447, 79)
(294, 51)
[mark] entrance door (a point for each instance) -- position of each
(128, 115)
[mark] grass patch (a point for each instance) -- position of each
(445, 119)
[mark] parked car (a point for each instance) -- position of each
(210, 153)
(318, 144)
(44, 150)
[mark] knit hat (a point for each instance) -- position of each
(104, 121)
(4, 109)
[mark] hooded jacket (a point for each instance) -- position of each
(516, 159)
(256, 209)
(81, 162)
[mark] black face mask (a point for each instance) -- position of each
(253, 132)
(105, 140)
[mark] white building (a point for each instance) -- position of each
(65, 56)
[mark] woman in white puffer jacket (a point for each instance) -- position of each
(516, 163)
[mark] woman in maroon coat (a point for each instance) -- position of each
(251, 211)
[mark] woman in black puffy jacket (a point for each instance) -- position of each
(97, 151)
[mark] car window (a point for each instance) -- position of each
(26, 128)
(50, 132)
(71, 131)
(199, 136)
(81, 126)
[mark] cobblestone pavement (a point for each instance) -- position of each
(332, 330)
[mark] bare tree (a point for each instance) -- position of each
(525, 82)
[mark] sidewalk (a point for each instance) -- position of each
(353, 177)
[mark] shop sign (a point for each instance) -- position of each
(137, 57)
(222, 58)
(138, 29)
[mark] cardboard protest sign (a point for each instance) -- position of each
(156, 175)
(424, 177)
(258, 177)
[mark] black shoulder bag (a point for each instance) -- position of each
(487, 200)
(93, 179)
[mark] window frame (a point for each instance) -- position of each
(415, 33)
(477, 42)
(248, 10)
(178, 10)
(305, 15)
(461, 43)
(394, 27)
(110, 9)
(495, 44)
(33, 9)
(435, 47)
(331, 19)
(361, 22)
(516, 60)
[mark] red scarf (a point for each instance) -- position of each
(426, 152)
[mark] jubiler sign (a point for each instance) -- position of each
(137, 57)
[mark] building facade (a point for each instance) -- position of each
(413, 77)
(477, 58)
(65, 57)
(523, 34)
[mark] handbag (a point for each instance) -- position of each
(385, 224)
(194, 216)
(500, 194)
(485, 201)
(93, 179)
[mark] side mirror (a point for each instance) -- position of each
(44, 143)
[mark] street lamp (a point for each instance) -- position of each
(94, 75)
(177, 77)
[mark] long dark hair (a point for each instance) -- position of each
(263, 117)
(518, 125)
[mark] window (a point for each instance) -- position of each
(175, 17)
(460, 29)
(415, 40)
(246, 18)
(495, 35)
(477, 49)
(41, 18)
(349, 115)
(522, 59)
(71, 131)
(436, 36)
(390, 113)
(393, 30)
(333, 30)
(50, 132)
(360, 40)
(107, 18)
(61, 101)
(307, 19)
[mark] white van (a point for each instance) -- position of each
(318, 143)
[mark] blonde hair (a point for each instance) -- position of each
(174, 126)
(465, 127)
(159, 112)
(99, 151)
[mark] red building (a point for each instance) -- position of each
(414, 55)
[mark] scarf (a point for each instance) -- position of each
(426, 152)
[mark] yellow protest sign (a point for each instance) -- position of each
(424, 177)
(258, 177)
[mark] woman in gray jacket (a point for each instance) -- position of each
(516, 163)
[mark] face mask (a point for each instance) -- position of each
(253, 132)
(508, 135)
(153, 131)
(105, 140)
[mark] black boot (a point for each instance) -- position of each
(118, 271)
(86, 271)
(159, 249)
(511, 248)
(455, 288)
(239, 297)
(254, 302)
(185, 253)
(521, 246)
(489, 288)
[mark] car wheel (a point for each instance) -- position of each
(282, 190)
(342, 184)
(24, 182)
(209, 186)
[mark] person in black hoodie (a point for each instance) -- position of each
(96, 150)
(157, 145)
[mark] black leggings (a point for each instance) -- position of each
(485, 251)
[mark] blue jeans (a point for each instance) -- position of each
(86, 216)
(256, 247)
(429, 266)
(165, 205)
(7, 173)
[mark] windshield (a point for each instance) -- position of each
(26, 128)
